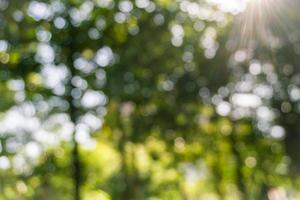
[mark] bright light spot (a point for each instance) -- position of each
(192, 173)
(19, 119)
(178, 34)
(82, 133)
(79, 82)
(294, 93)
(167, 85)
(92, 121)
(125, 6)
(33, 150)
(120, 17)
(232, 6)
(84, 65)
(3, 45)
(177, 30)
(83, 137)
(104, 56)
(250, 162)
(94, 34)
(265, 114)
(45, 53)
(45, 138)
(92, 98)
(16, 85)
(240, 56)
(82, 13)
(223, 108)
(255, 68)
(286, 107)
(246, 100)
(209, 43)
(43, 35)
(18, 15)
(263, 91)
(59, 123)
(159, 19)
(4, 163)
(20, 164)
(105, 3)
(38, 10)
(59, 22)
(54, 75)
(277, 132)
(278, 194)
(100, 23)
(142, 3)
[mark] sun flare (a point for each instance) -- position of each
(260, 22)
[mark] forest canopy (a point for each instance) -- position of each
(149, 99)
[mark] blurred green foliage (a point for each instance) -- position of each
(143, 99)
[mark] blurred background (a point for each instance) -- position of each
(149, 99)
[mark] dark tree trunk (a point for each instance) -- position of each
(76, 169)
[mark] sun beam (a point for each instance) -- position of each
(261, 22)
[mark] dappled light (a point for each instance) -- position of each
(149, 99)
